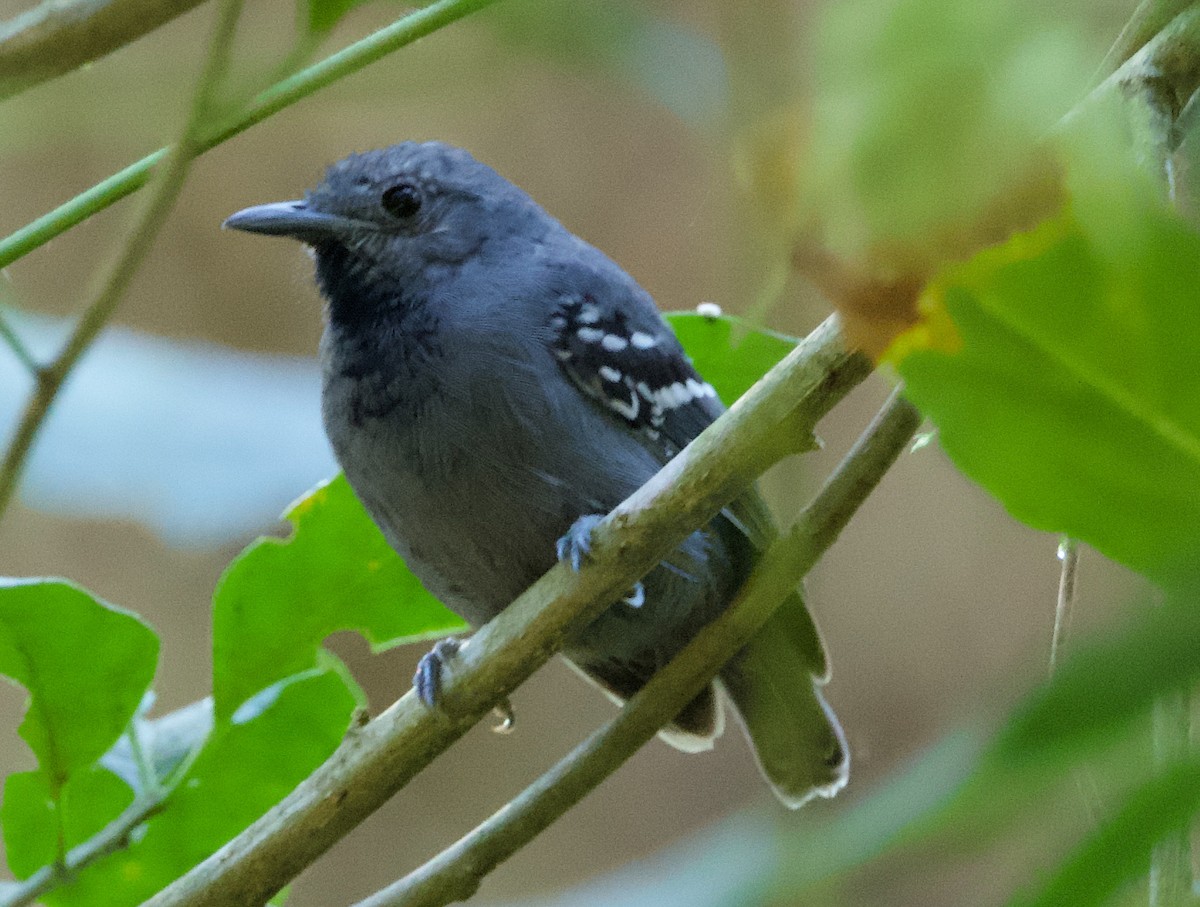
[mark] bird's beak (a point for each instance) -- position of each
(293, 219)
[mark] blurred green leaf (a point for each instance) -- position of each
(85, 664)
(925, 112)
(1060, 371)
(32, 813)
(247, 766)
(1104, 686)
(1120, 849)
(964, 795)
(280, 598)
(728, 352)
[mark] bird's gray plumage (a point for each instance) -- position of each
(489, 379)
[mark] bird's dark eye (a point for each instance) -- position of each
(402, 200)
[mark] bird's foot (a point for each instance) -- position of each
(434, 668)
(575, 547)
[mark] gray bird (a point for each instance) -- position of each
(492, 385)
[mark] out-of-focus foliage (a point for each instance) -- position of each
(925, 119)
(1059, 369)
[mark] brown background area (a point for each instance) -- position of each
(936, 606)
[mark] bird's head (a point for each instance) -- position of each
(397, 213)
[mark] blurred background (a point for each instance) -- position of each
(646, 128)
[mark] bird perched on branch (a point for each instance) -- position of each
(492, 386)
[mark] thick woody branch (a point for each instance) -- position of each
(380, 758)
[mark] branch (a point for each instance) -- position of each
(455, 874)
(50, 378)
(282, 94)
(58, 36)
(110, 839)
(378, 759)
(9, 335)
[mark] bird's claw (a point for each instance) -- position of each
(433, 668)
(574, 547)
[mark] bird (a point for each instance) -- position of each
(492, 385)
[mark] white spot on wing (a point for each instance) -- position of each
(614, 343)
(627, 409)
(608, 373)
(590, 335)
(640, 340)
(589, 315)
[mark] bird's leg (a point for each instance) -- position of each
(436, 666)
(575, 547)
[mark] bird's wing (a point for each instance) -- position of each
(626, 358)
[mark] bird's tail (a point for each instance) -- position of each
(774, 683)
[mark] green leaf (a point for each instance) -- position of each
(1120, 849)
(280, 598)
(32, 813)
(85, 664)
(728, 352)
(247, 766)
(1060, 370)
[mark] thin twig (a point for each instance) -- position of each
(1068, 555)
(283, 94)
(9, 335)
(110, 839)
(50, 379)
(455, 873)
(378, 759)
